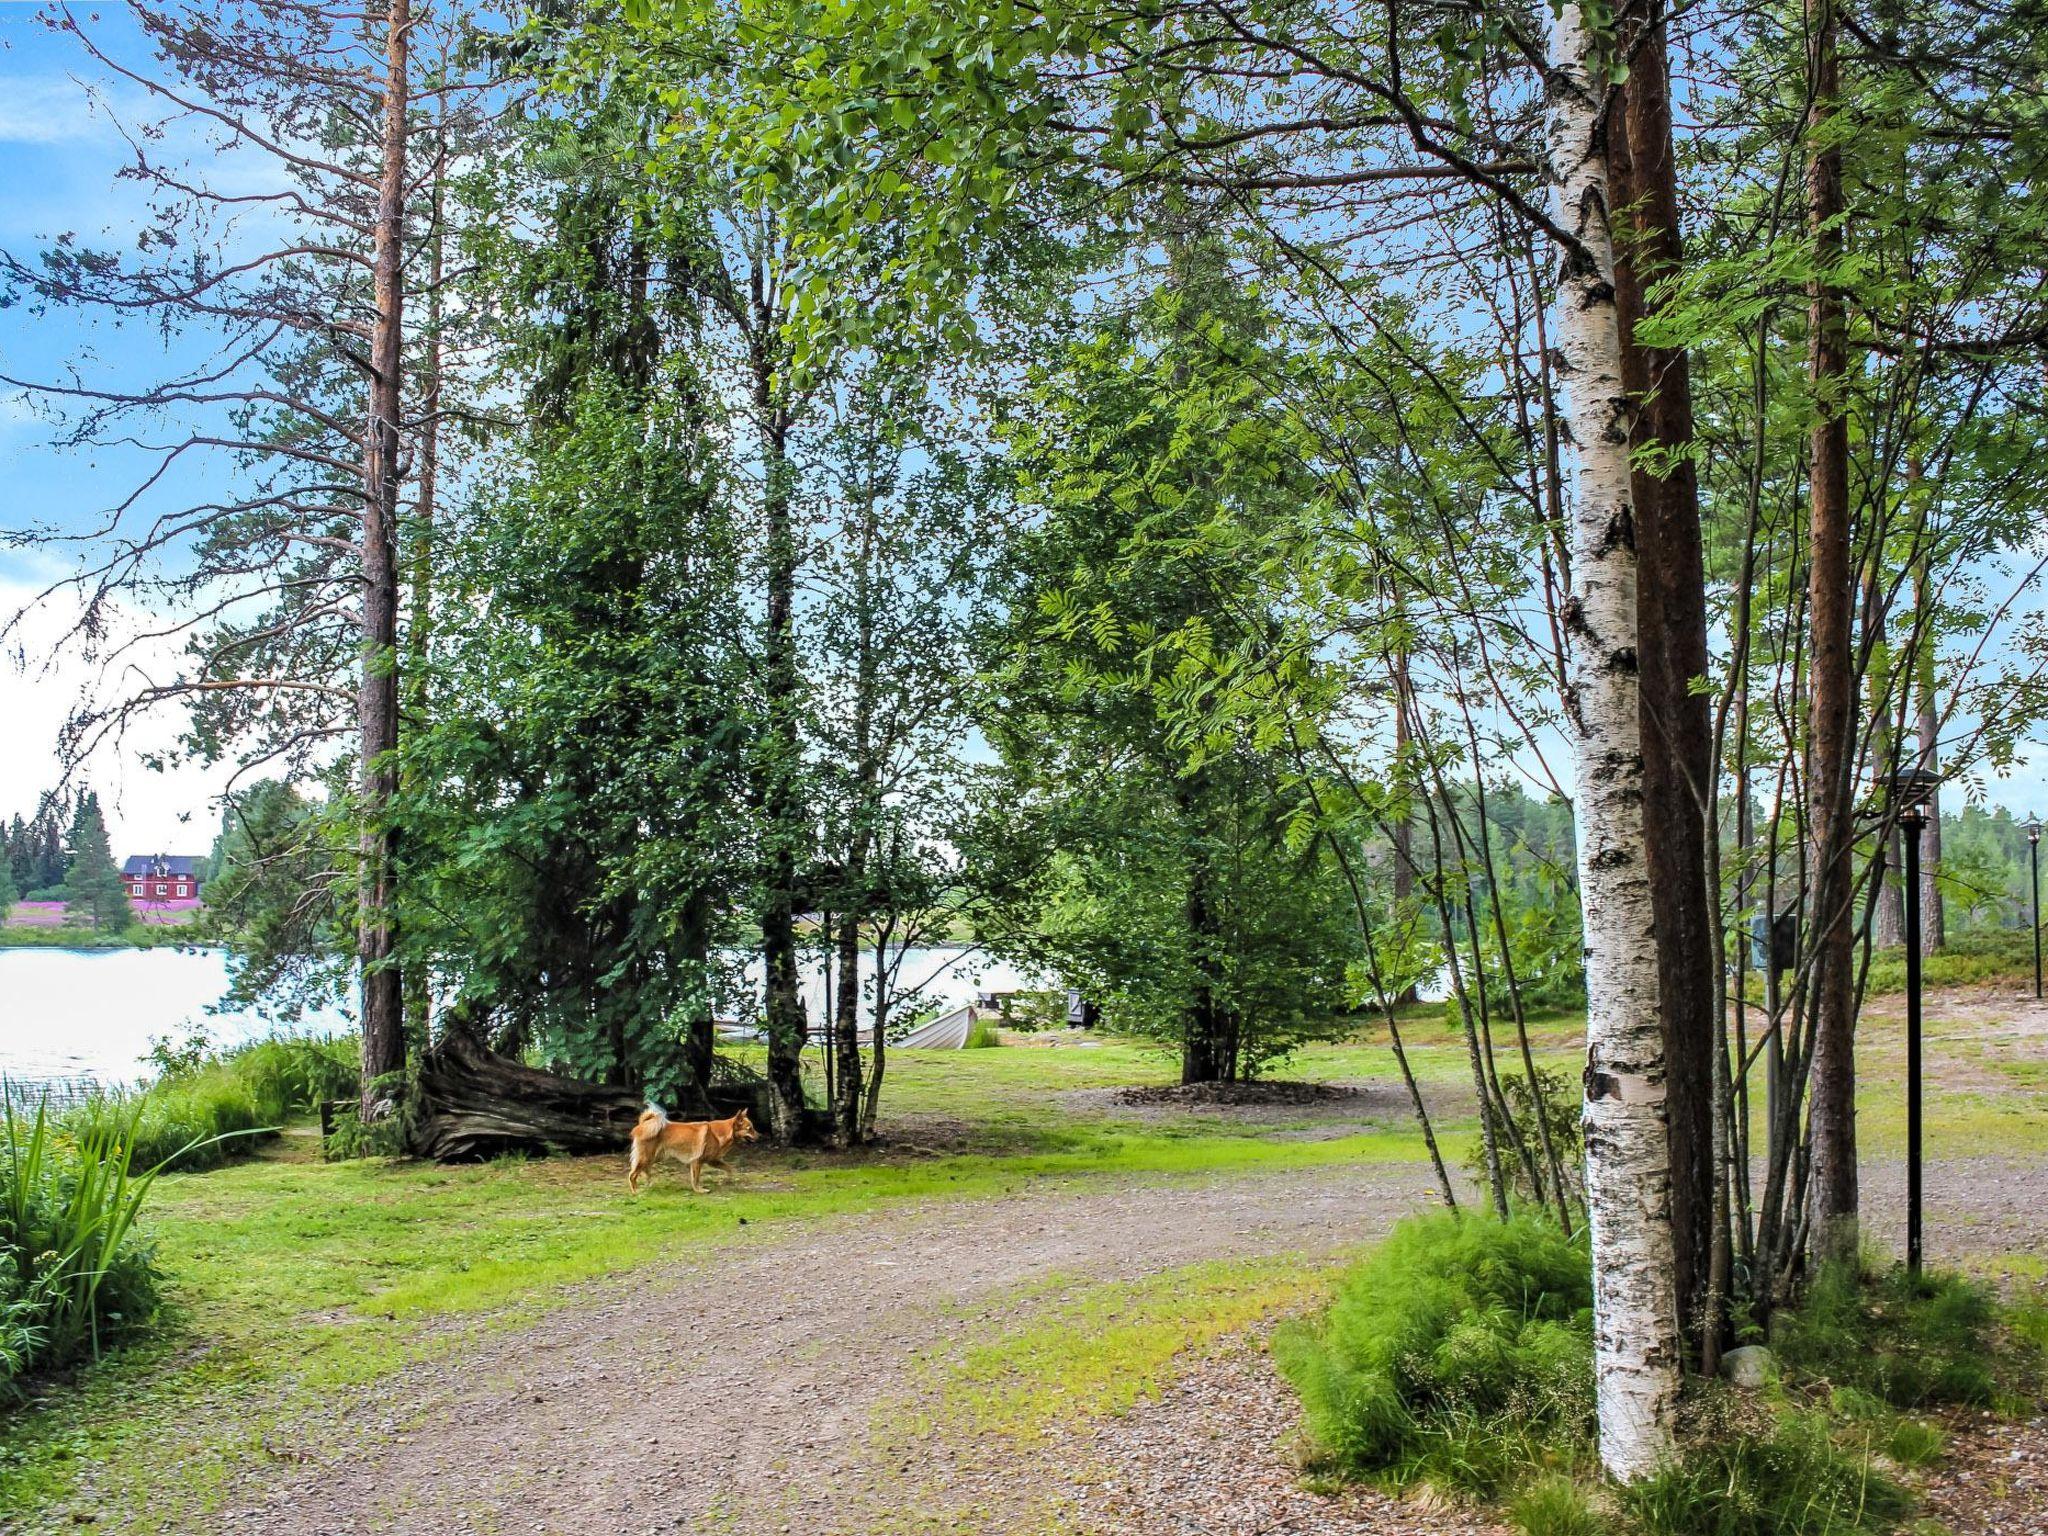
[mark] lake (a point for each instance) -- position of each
(93, 1013)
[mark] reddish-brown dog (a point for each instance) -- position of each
(694, 1142)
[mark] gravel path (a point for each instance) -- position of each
(686, 1400)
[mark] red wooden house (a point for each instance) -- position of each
(161, 877)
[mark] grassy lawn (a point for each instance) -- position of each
(292, 1283)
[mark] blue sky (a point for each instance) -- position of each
(59, 161)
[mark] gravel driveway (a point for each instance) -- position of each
(705, 1393)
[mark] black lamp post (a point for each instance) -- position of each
(1911, 790)
(2034, 863)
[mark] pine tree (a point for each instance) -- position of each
(21, 859)
(93, 892)
(10, 893)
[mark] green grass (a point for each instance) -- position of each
(293, 1285)
(134, 936)
(205, 1109)
(291, 1280)
(1459, 1353)
(1101, 1347)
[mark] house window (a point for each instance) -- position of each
(183, 892)
(161, 889)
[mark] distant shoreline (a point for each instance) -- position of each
(76, 944)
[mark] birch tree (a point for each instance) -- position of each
(1636, 1348)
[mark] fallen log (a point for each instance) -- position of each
(473, 1103)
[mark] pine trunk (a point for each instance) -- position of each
(383, 1019)
(419, 1006)
(1832, 688)
(1671, 614)
(1628, 1170)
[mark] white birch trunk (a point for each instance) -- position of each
(1636, 1348)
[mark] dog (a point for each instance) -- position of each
(695, 1142)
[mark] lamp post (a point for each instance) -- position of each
(1911, 790)
(2034, 864)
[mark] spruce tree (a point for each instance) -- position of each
(93, 892)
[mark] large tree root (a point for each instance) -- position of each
(474, 1103)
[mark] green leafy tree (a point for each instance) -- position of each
(282, 896)
(1175, 885)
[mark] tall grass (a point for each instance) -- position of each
(204, 1109)
(72, 1276)
(1459, 1353)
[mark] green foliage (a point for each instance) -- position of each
(283, 893)
(1554, 1505)
(204, 1110)
(576, 810)
(1557, 1100)
(1793, 1480)
(1172, 866)
(93, 893)
(1460, 1352)
(982, 1035)
(1967, 959)
(34, 848)
(73, 1278)
(1907, 1340)
(65, 936)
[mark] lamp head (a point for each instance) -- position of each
(1911, 790)
(2033, 829)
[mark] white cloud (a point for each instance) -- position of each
(44, 683)
(47, 109)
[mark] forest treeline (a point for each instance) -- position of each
(62, 853)
(1184, 494)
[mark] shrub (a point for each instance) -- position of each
(1556, 1506)
(981, 1035)
(1791, 1481)
(72, 1277)
(293, 1075)
(1907, 1340)
(1966, 959)
(1461, 1351)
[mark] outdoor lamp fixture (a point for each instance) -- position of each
(1911, 789)
(2034, 862)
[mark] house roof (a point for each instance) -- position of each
(177, 866)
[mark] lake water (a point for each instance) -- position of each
(93, 1013)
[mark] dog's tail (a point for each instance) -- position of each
(652, 1118)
